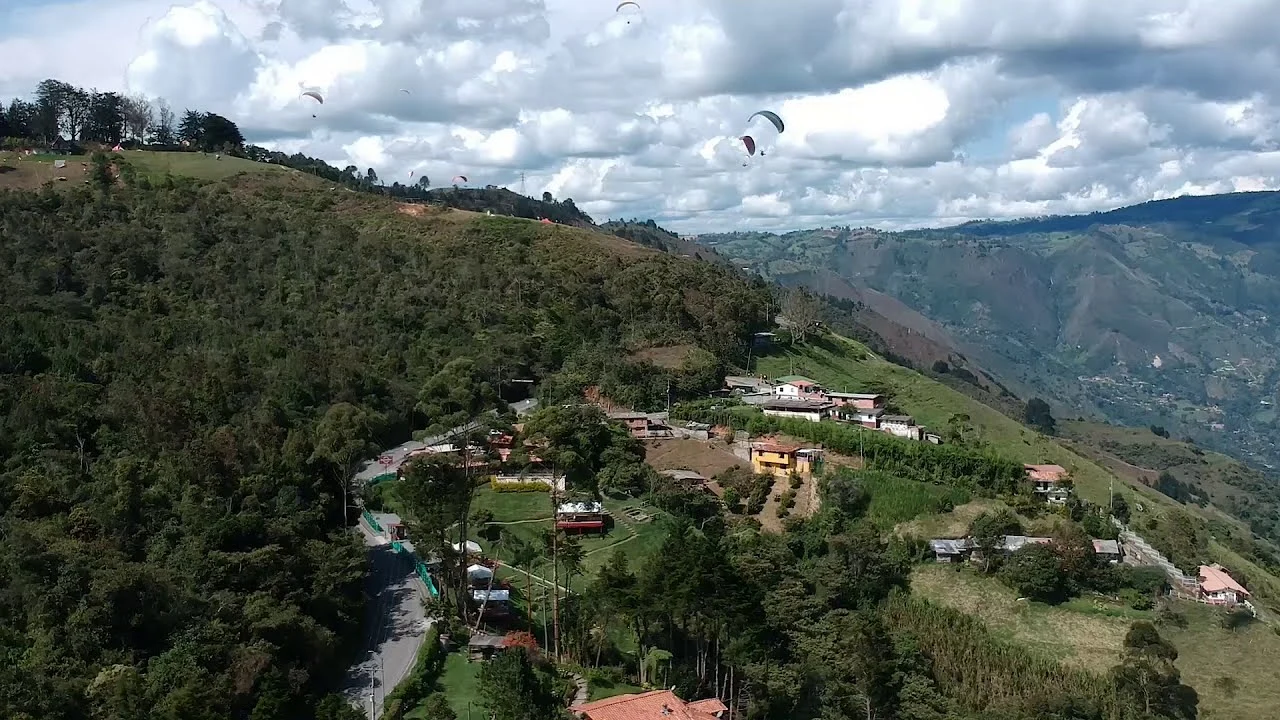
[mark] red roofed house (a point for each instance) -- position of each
(1219, 588)
(653, 705)
(1049, 481)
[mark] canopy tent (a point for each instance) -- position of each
(473, 548)
(479, 572)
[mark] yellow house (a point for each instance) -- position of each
(772, 458)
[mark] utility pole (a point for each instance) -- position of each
(555, 563)
(668, 398)
(522, 183)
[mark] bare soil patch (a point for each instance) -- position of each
(670, 357)
(708, 458)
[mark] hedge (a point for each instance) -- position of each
(518, 487)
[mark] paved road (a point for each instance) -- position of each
(395, 625)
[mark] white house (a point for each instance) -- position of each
(1049, 481)
(794, 387)
(1219, 588)
(902, 426)
(811, 410)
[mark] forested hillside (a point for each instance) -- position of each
(185, 370)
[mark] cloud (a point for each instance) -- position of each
(899, 112)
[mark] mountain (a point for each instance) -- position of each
(1163, 313)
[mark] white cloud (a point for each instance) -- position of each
(883, 99)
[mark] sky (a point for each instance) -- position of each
(898, 113)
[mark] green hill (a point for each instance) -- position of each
(171, 354)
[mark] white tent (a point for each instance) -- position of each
(479, 572)
(473, 548)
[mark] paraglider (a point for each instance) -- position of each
(774, 119)
(456, 178)
(314, 95)
(628, 9)
(749, 143)
(771, 116)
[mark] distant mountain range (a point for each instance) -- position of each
(1165, 313)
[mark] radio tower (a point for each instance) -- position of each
(522, 183)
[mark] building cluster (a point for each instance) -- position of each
(799, 397)
(966, 549)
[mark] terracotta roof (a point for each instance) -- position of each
(1045, 473)
(1214, 578)
(653, 705)
(710, 706)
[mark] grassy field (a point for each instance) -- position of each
(30, 171)
(527, 516)
(896, 500)
(1089, 633)
(460, 683)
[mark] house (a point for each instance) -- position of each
(796, 387)
(1014, 543)
(686, 477)
(1049, 481)
(483, 647)
(580, 516)
(1107, 550)
(772, 458)
(950, 551)
(903, 426)
(860, 401)
(868, 418)
(1219, 588)
(742, 385)
(652, 705)
(799, 408)
(545, 478)
(499, 602)
(637, 422)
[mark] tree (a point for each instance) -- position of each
(512, 688)
(547, 198)
(423, 182)
(105, 118)
(436, 707)
(1120, 508)
(219, 134)
(343, 440)
(138, 117)
(1039, 416)
(437, 490)
(988, 530)
(1147, 675)
(941, 367)
(1160, 431)
(802, 311)
(164, 132)
(191, 128)
(455, 396)
(1034, 571)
